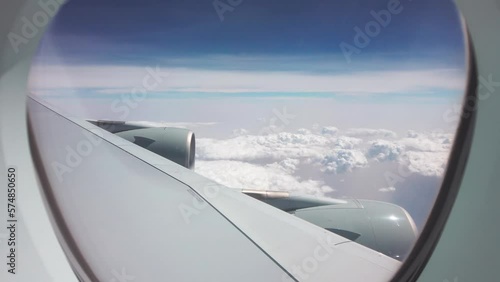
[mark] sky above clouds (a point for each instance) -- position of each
(273, 101)
(176, 29)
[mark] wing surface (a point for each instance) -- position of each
(122, 211)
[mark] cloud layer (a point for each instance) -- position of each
(273, 177)
(301, 161)
(109, 79)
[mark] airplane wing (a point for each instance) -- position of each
(123, 213)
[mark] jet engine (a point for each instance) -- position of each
(175, 144)
(380, 226)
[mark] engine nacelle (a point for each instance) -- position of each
(380, 226)
(383, 227)
(175, 144)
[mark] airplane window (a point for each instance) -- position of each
(340, 113)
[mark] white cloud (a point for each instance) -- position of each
(277, 146)
(240, 132)
(426, 153)
(345, 142)
(332, 154)
(329, 130)
(343, 160)
(368, 132)
(383, 150)
(426, 163)
(433, 142)
(275, 161)
(412, 134)
(303, 131)
(387, 189)
(113, 79)
(422, 144)
(241, 175)
(288, 165)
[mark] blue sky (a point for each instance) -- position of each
(261, 49)
(290, 49)
(425, 33)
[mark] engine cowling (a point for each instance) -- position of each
(384, 227)
(175, 144)
(381, 226)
